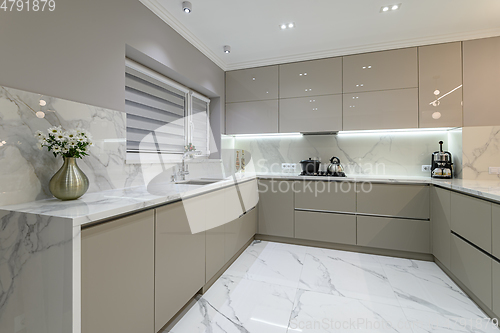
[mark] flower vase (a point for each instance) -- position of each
(69, 183)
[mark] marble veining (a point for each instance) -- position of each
(335, 291)
(481, 150)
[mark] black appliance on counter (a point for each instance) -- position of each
(441, 164)
(312, 167)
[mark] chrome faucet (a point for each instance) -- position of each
(182, 172)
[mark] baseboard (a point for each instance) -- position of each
(345, 247)
(467, 291)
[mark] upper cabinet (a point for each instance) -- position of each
(311, 78)
(440, 83)
(252, 117)
(481, 82)
(385, 70)
(254, 84)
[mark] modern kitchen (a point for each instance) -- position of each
(280, 166)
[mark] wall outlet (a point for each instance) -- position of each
(494, 170)
(426, 168)
(288, 167)
(19, 323)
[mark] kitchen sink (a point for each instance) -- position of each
(201, 181)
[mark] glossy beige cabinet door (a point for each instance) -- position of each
(326, 196)
(254, 84)
(472, 268)
(311, 78)
(252, 117)
(441, 224)
(390, 109)
(118, 275)
(440, 69)
(325, 227)
(496, 288)
(310, 114)
(384, 70)
(496, 231)
(394, 234)
(276, 209)
(180, 262)
(481, 82)
(215, 251)
(410, 201)
(471, 219)
(239, 232)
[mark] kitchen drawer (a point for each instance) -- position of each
(329, 196)
(496, 287)
(276, 208)
(311, 78)
(252, 117)
(254, 84)
(471, 219)
(441, 224)
(394, 234)
(411, 201)
(325, 227)
(496, 230)
(310, 114)
(440, 68)
(384, 70)
(390, 109)
(472, 268)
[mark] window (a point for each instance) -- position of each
(163, 117)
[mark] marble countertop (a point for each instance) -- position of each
(107, 204)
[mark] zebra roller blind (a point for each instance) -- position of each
(156, 112)
(199, 119)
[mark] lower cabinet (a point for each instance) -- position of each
(118, 275)
(394, 233)
(325, 227)
(179, 262)
(215, 251)
(496, 288)
(276, 208)
(239, 232)
(472, 268)
(496, 230)
(440, 220)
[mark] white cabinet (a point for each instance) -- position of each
(384, 70)
(391, 109)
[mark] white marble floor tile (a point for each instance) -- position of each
(317, 313)
(236, 305)
(347, 275)
(273, 263)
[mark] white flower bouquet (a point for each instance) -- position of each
(73, 143)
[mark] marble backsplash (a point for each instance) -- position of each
(25, 171)
(481, 150)
(371, 153)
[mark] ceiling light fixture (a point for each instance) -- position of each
(390, 8)
(287, 26)
(187, 7)
(227, 49)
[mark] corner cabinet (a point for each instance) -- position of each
(118, 275)
(276, 211)
(441, 224)
(440, 85)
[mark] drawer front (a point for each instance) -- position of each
(496, 288)
(391, 109)
(411, 201)
(311, 114)
(252, 117)
(254, 84)
(471, 219)
(394, 234)
(496, 230)
(440, 220)
(311, 78)
(472, 268)
(329, 196)
(325, 227)
(381, 70)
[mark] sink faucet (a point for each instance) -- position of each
(182, 172)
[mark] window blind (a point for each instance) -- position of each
(155, 114)
(199, 121)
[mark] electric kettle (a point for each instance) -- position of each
(335, 168)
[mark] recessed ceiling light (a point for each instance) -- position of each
(227, 49)
(283, 26)
(291, 25)
(187, 7)
(385, 9)
(388, 8)
(287, 25)
(395, 7)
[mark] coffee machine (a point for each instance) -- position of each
(441, 164)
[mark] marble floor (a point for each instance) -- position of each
(281, 288)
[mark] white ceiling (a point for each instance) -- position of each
(324, 28)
